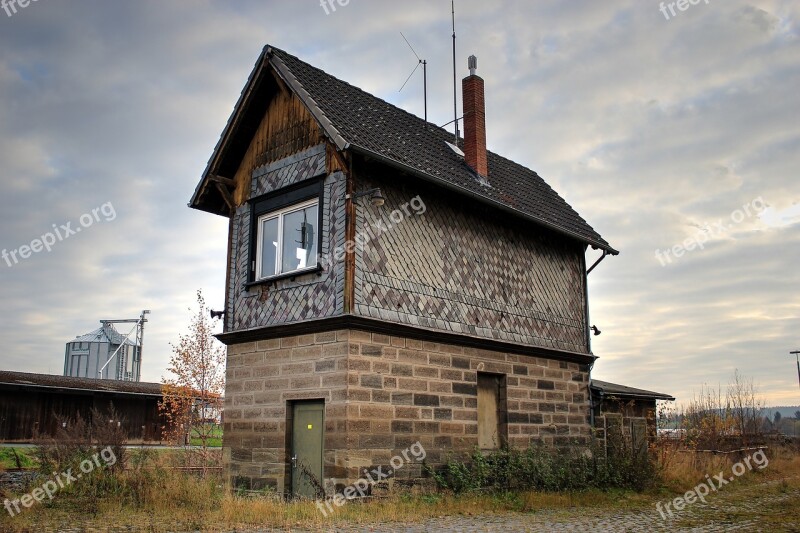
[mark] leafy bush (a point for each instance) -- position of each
(545, 469)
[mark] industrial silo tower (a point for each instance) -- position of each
(105, 353)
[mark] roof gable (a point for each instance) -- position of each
(353, 119)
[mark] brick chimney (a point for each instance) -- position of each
(474, 120)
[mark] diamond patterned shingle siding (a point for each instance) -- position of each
(466, 271)
(308, 296)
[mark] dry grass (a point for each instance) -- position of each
(201, 511)
(689, 469)
(758, 497)
(179, 502)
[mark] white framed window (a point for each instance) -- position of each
(287, 240)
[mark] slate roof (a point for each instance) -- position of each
(49, 381)
(356, 120)
(612, 389)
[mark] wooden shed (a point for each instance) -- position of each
(31, 403)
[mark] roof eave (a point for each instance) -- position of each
(639, 394)
(227, 133)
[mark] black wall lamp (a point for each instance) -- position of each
(216, 314)
(596, 330)
(375, 196)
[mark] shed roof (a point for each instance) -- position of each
(50, 381)
(622, 391)
(353, 119)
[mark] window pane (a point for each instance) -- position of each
(268, 233)
(299, 239)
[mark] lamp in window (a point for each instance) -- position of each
(375, 196)
(306, 236)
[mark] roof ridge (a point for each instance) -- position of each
(362, 91)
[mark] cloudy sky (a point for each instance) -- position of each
(661, 130)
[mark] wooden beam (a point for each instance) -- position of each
(226, 195)
(228, 182)
(350, 235)
(280, 82)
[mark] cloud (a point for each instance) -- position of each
(651, 129)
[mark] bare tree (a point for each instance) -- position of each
(713, 420)
(706, 419)
(192, 399)
(746, 407)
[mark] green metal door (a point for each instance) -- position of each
(307, 438)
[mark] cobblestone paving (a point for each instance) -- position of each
(722, 513)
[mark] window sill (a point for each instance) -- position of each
(289, 275)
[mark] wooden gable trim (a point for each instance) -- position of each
(327, 126)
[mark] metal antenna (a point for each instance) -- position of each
(455, 93)
(424, 64)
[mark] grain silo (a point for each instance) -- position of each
(105, 353)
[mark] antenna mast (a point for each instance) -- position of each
(455, 93)
(424, 64)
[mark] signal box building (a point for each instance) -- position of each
(387, 288)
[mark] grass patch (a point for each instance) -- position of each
(214, 437)
(9, 457)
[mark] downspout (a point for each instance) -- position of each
(605, 253)
(591, 403)
(588, 334)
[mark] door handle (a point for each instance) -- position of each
(294, 461)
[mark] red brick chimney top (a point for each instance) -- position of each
(474, 120)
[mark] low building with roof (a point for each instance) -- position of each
(625, 411)
(32, 404)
